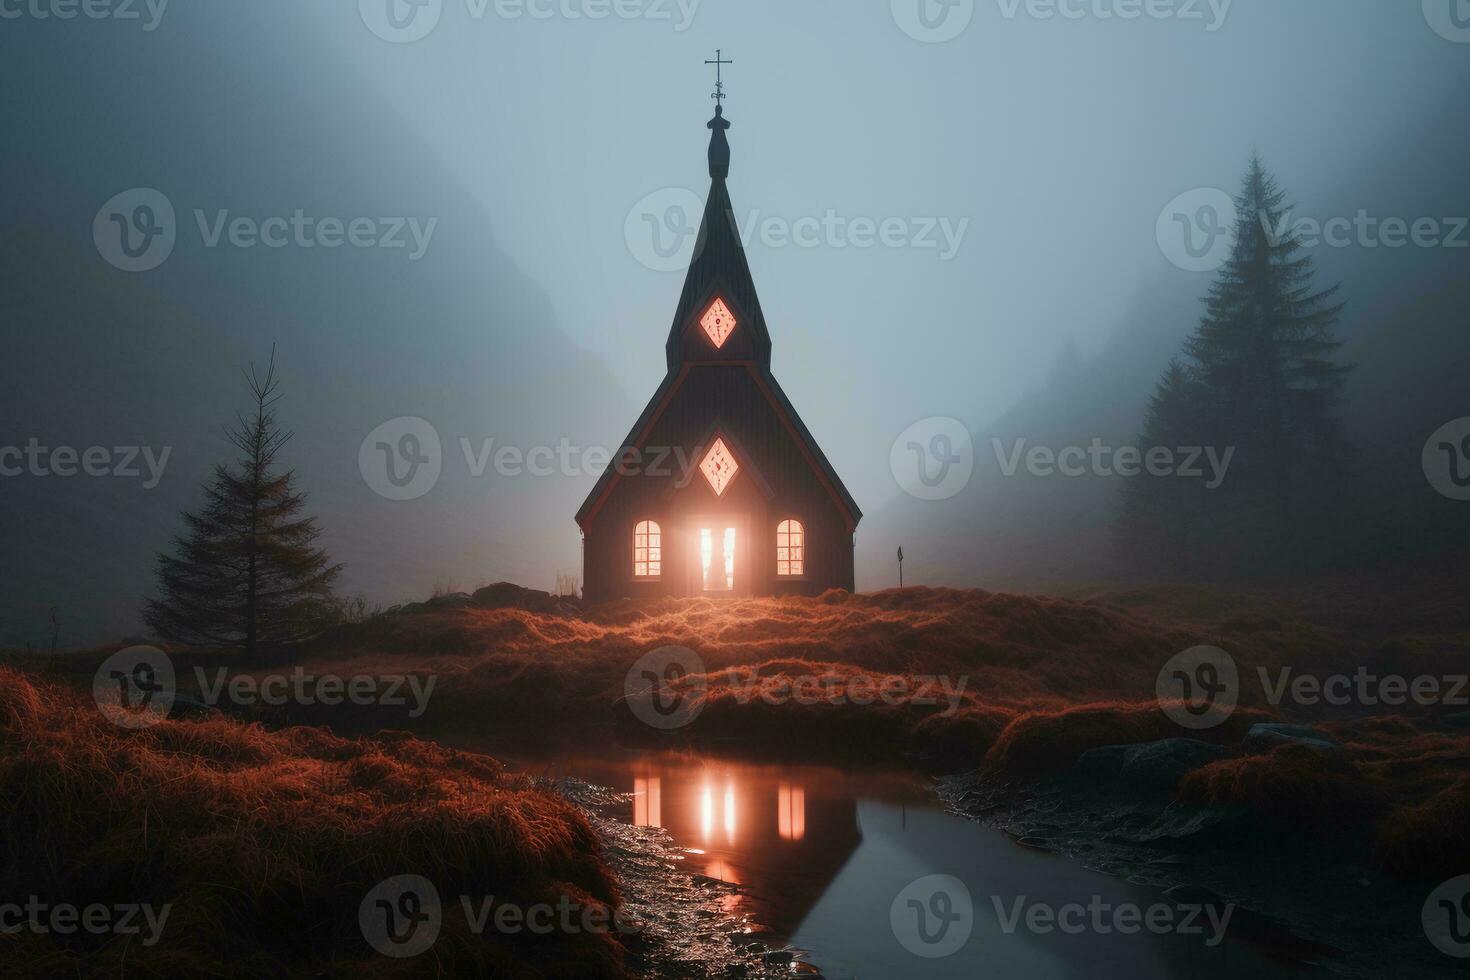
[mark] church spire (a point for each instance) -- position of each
(719, 317)
(719, 147)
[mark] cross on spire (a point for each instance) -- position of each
(719, 62)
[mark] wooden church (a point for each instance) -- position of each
(745, 503)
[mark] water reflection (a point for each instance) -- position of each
(819, 855)
(791, 812)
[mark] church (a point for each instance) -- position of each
(746, 503)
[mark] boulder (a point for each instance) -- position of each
(1267, 735)
(508, 595)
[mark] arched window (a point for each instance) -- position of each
(647, 550)
(790, 549)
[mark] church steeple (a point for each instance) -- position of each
(719, 147)
(719, 317)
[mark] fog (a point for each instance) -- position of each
(1021, 169)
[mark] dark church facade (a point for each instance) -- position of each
(719, 489)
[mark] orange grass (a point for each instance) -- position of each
(265, 842)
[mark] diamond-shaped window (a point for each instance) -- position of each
(718, 322)
(719, 466)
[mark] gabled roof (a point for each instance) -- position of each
(719, 264)
(790, 420)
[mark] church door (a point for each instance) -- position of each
(721, 554)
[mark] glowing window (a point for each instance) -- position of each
(647, 550)
(718, 323)
(790, 548)
(719, 467)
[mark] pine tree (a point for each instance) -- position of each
(247, 572)
(1264, 358)
(1163, 519)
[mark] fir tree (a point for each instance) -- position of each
(247, 572)
(1264, 359)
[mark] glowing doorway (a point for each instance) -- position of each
(717, 558)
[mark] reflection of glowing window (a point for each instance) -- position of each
(718, 569)
(790, 548)
(791, 812)
(729, 813)
(717, 322)
(647, 802)
(706, 813)
(719, 467)
(647, 550)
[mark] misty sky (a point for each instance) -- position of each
(1058, 140)
(1019, 170)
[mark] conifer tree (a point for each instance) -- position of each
(1264, 358)
(248, 571)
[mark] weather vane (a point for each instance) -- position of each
(719, 62)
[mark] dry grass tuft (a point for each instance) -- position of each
(264, 843)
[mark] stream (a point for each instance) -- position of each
(866, 874)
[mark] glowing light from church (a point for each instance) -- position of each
(718, 571)
(791, 812)
(719, 467)
(718, 323)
